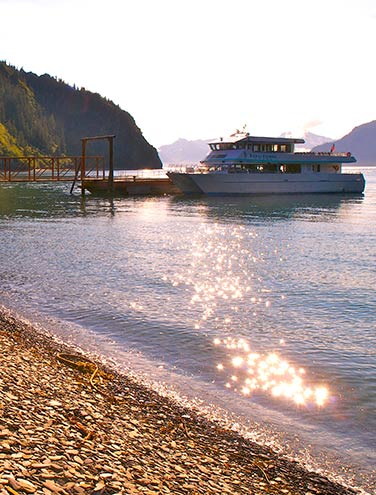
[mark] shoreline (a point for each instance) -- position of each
(83, 429)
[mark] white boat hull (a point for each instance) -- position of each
(264, 183)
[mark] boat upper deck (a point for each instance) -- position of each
(245, 148)
(242, 140)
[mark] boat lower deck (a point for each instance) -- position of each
(267, 183)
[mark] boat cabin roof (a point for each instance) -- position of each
(239, 137)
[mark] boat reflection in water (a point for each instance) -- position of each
(271, 207)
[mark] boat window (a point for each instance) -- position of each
(293, 168)
(220, 146)
(266, 168)
(251, 167)
(269, 168)
(264, 147)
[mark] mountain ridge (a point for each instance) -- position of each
(361, 142)
(184, 151)
(44, 115)
(310, 139)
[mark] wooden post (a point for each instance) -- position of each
(111, 165)
(110, 180)
(83, 165)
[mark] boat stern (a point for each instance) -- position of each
(184, 182)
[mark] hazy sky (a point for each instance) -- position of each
(202, 68)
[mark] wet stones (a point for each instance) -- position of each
(61, 434)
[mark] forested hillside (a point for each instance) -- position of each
(43, 115)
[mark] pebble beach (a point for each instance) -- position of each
(71, 426)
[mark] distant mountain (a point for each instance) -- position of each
(361, 141)
(311, 140)
(183, 151)
(44, 115)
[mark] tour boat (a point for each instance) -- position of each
(244, 164)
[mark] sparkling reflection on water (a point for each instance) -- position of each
(183, 281)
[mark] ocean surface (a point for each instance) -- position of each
(258, 312)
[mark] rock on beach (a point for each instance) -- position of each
(69, 426)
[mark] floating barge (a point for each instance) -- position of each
(131, 182)
(131, 186)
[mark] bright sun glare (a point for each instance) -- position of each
(268, 373)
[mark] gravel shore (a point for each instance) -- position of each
(68, 426)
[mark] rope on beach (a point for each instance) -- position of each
(80, 363)
(10, 490)
(263, 472)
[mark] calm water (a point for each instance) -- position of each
(259, 312)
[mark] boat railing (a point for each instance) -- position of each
(147, 173)
(322, 153)
(181, 167)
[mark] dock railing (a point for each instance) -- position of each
(49, 168)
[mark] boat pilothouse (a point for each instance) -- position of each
(244, 164)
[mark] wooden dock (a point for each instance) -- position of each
(87, 172)
(96, 180)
